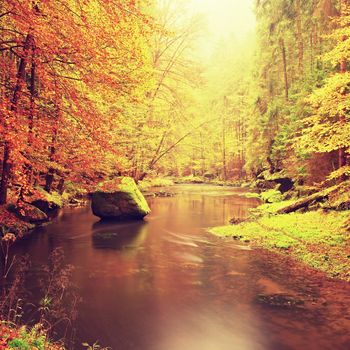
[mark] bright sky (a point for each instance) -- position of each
(225, 18)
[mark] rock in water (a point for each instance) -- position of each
(119, 199)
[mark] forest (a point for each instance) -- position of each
(97, 90)
(132, 100)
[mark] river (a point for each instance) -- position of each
(167, 284)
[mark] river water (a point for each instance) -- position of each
(167, 284)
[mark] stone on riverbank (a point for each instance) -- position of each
(10, 223)
(30, 213)
(279, 181)
(46, 202)
(119, 199)
(279, 301)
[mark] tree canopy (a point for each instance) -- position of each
(94, 89)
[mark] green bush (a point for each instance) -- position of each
(271, 196)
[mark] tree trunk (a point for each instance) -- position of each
(6, 169)
(312, 50)
(60, 186)
(50, 176)
(343, 70)
(141, 177)
(300, 37)
(202, 155)
(33, 95)
(224, 169)
(304, 202)
(27, 168)
(269, 161)
(285, 70)
(342, 157)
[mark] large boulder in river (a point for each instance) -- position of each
(119, 199)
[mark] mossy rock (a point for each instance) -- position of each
(279, 301)
(28, 213)
(46, 202)
(271, 196)
(279, 181)
(119, 199)
(10, 223)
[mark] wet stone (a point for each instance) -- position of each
(237, 221)
(282, 301)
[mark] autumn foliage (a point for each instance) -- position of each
(92, 89)
(70, 71)
(13, 337)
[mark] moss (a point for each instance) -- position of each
(317, 238)
(191, 179)
(74, 188)
(129, 204)
(53, 197)
(340, 199)
(272, 208)
(251, 195)
(271, 196)
(155, 182)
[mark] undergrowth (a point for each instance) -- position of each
(319, 239)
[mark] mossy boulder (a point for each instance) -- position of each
(29, 213)
(119, 199)
(46, 202)
(271, 196)
(10, 223)
(279, 181)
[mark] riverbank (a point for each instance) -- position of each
(318, 238)
(14, 337)
(19, 218)
(169, 252)
(160, 186)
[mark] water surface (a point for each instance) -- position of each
(166, 284)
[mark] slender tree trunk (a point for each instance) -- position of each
(224, 166)
(285, 70)
(343, 70)
(50, 176)
(6, 169)
(342, 157)
(202, 154)
(33, 95)
(141, 176)
(312, 50)
(170, 148)
(268, 158)
(27, 168)
(300, 37)
(60, 186)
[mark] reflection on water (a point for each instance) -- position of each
(165, 284)
(109, 235)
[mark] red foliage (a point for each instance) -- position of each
(6, 335)
(60, 63)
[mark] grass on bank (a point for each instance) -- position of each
(148, 183)
(319, 239)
